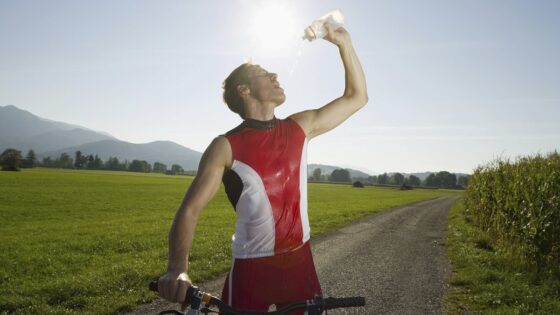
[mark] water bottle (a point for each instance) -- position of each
(317, 28)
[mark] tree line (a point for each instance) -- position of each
(12, 160)
(441, 179)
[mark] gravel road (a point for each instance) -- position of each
(396, 259)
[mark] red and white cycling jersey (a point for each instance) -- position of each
(267, 186)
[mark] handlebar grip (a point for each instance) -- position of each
(191, 291)
(331, 303)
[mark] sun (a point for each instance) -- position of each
(274, 26)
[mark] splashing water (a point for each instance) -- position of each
(295, 64)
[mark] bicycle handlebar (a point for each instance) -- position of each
(195, 297)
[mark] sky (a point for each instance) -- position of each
(452, 84)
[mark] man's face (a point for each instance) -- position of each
(264, 86)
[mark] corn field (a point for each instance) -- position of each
(518, 203)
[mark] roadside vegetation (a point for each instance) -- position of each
(504, 239)
(442, 179)
(88, 242)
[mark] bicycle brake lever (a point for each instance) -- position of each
(195, 300)
(315, 306)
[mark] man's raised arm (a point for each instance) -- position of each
(319, 121)
(173, 285)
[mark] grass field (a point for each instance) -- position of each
(486, 280)
(88, 242)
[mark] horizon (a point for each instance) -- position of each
(452, 87)
(343, 166)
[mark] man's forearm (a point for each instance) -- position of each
(355, 81)
(180, 240)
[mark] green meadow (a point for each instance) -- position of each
(88, 242)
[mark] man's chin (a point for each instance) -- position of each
(281, 101)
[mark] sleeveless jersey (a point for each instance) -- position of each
(267, 186)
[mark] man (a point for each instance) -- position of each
(262, 163)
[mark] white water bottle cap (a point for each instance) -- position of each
(309, 34)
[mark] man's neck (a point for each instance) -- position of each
(260, 112)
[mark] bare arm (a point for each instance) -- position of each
(319, 121)
(173, 286)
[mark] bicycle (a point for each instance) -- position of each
(197, 298)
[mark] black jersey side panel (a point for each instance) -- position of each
(233, 186)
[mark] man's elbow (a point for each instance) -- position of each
(365, 99)
(361, 99)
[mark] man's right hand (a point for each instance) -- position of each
(173, 286)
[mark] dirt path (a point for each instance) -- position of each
(396, 259)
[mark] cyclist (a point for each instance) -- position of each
(262, 164)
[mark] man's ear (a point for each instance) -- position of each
(243, 89)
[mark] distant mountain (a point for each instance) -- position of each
(22, 130)
(165, 152)
(328, 169)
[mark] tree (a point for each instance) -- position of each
(97, 163)
(160, 167)
(64, 161)
(397, 178)
(447, 179)
(30, 160)
(414, 180)
(317, 174)
(433, 181)
(340, 175)
(84, 160)
(78, 159)
(90, 160)
(372, 179)
(139, 166)
(10, 160)
(442, 179)
(383, 179)
(114, 164)
(463, 181)
(176, 168)
(47, 162)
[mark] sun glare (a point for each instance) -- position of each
(274, 26)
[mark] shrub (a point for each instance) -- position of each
(404, 186)
(358, 184)
(10, 160)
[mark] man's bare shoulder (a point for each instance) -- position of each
(219, 150)
(305, 120)
(221, 142)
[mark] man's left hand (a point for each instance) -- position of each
(339, 37)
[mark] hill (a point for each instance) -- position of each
(166, 152)
(22, 130)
